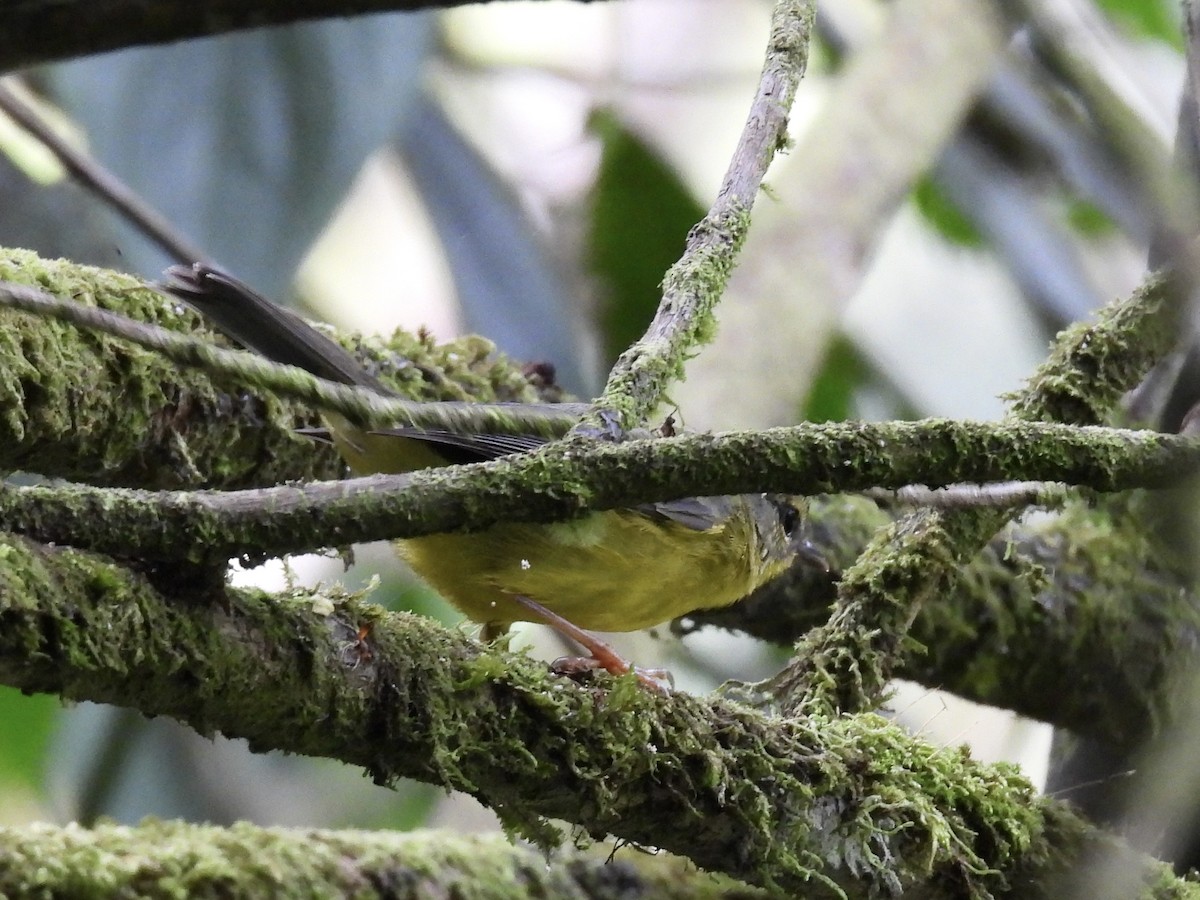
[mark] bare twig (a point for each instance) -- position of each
(101, 181)
(974, 496)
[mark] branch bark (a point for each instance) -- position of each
(1084, 590)
(815, 804)
(693, 286)
(173, 859)
(973, 659)
(86, 407)
(846, 663)
(572, 477)
(972, 648)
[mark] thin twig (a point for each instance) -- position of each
(975, 496)
(693, 286)
(359, 404)
(101, 182)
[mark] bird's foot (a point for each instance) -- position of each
(603, 655)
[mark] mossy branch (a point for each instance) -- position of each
(693, 286)
(83, 406)
(570, 477)
(362, 405)
(172, 859)
(813, 803)
(1082, 591)
(958, 631)
(808, 805)
(847, 662)
(202, 417)
(44, 31)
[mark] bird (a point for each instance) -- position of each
(614, 570)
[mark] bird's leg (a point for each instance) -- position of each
(603, 656)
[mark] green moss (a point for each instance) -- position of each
(80, 405)
(1091, 366)
(171, 859)
(691, 290)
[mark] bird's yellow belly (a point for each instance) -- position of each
(610, 571)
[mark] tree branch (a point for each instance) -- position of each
(846, 663)
(365, 406)
(693, 286)
(261, 448)
(970, 641)
(570, 477)
(811, 803)
(805, 804)
(1082, 591)
(81, 406)
(173, 859)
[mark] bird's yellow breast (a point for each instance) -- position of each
(608, 571)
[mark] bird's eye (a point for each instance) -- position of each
(789, 517)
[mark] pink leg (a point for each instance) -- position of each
(603, 656)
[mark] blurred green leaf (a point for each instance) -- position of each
(1089, 219)
(850, 385)
(398, 591)
(943, 215)
(843, 372)
(411, 807)
(1158, 19)
(641, 213)
(26, 724)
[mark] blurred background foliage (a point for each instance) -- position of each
(528, 172)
